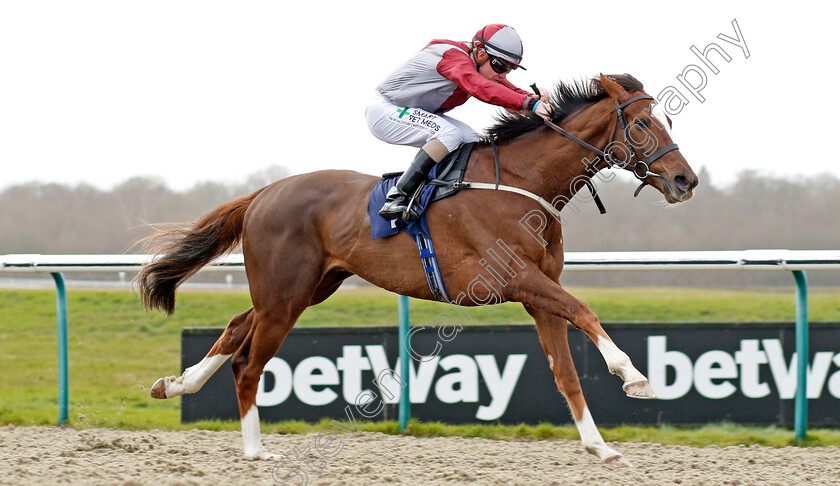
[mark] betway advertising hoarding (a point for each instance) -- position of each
(742, 373)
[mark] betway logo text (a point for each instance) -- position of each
(314, 380)
(718, 374)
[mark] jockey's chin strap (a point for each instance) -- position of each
(639, 166)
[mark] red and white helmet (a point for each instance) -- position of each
(501, 41)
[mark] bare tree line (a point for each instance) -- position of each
(755, 211)
(61, 219)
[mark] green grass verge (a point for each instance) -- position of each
(116, 350)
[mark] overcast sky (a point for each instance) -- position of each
(189, 91)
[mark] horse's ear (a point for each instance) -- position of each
(614, 89)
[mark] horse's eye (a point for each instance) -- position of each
(644, 122)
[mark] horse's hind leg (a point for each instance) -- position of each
(194, 377)
(553, 332)
(267, 333)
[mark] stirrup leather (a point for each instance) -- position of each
(410, 213)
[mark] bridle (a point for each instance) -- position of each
(638, 165)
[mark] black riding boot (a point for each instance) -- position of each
(397, 200)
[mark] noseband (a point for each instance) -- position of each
(638, 165)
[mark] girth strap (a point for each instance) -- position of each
(429, 260)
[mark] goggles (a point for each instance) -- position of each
(500, 66)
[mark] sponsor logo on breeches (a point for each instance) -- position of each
(416, 118)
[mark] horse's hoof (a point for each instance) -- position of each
(159, 388)
(639, 389)
(618, 460)
(264, 455)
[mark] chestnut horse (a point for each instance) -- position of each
(303, 235)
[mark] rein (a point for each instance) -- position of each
(636, 162)
(634, 165)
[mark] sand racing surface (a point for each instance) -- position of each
(51, 455)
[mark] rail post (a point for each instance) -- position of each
(405, 404)
(61, 312)
(800, 410)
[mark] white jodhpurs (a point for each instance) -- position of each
(414, 126)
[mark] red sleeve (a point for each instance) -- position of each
(457, 67)
(507, 83)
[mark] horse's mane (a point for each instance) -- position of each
(566, 99)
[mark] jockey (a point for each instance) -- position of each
(410, 102)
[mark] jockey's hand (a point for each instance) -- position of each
(544, 109)
(544, 96)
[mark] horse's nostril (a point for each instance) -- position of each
(682, 183)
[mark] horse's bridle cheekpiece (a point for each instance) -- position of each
(639, 166)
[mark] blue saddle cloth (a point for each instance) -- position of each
(418, 230)
(381, 227)
(446, 177)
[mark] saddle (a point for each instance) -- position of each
(445, 180)
(448, 174)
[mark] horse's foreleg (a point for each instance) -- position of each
(538, 291)
(554, 339)
(194, 377)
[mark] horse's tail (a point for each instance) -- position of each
(184, 251)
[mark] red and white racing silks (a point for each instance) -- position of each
(409, 105)
(442, 76)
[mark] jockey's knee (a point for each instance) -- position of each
(450, 137)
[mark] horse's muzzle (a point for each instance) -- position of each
(677, 188)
